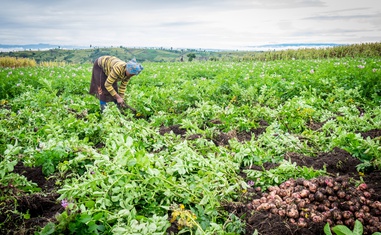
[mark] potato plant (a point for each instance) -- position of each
(115, 173)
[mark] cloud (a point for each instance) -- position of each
(342, 17)
(191, 23)
(332, 32)
(291, 4)
(366, 19)
(179, 23)
(350, 9)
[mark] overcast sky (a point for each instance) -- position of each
(214, 24)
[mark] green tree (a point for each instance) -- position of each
(191, 56)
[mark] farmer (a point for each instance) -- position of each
(107, 72)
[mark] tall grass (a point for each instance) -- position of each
(14, 62)
(354, 50)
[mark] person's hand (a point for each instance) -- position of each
(120, 101)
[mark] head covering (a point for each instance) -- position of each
(133, 67)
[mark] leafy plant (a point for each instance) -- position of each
(11, 183)
(283, 172)
(49, 159)
(344, 230)
(122, 174)
(73, 223)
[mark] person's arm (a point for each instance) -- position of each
(122, 88)
(111, 79)
(115, 73)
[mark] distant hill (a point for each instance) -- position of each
(77, 54)
(56, 53)
(46, 52)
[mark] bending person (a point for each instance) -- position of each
(107, 72)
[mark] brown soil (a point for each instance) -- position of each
(176, 129)
(221, 139)
(41, 207)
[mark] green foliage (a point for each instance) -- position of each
(344, 230)
(124, 174)
(10, 181)
(283, 172)
(49, 159)
(75, 224)
(191, 56)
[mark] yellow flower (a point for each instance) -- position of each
(174, 216)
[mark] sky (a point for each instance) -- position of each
(204, 24)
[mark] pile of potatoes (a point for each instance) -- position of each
(323, 199)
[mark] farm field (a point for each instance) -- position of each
(277, 147)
